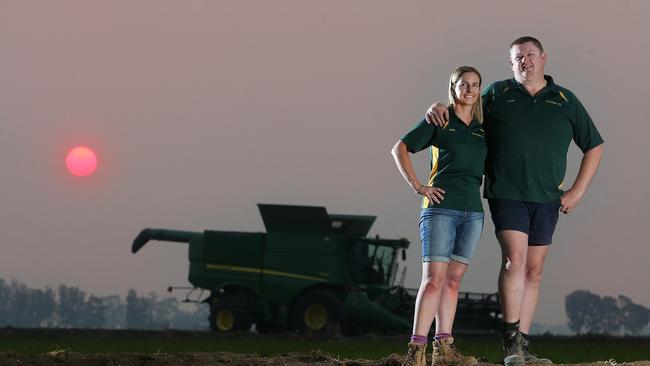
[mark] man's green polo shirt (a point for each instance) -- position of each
(528, 139)
(457, 153)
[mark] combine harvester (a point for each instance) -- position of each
(312, 272)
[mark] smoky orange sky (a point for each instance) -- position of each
(198, 110)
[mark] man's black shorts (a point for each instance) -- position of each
(538, 220)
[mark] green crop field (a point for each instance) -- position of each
(487, 348)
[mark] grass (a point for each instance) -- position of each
(488, 348)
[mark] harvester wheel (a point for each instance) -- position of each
(317, 312)
(226, 318)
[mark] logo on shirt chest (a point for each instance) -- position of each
(480, 133)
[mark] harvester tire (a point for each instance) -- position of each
(227, 318)
(317, 312)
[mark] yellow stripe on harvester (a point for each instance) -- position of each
(293, 275)
(223, 267)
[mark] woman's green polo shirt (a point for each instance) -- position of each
(457, 157)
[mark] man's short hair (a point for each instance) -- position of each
(522, 40)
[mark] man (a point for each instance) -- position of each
(529, 124)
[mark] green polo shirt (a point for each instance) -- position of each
(457, 152)
(528, 139)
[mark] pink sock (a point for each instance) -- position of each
(418, 339)
(440, 336)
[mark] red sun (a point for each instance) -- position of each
(81, 161)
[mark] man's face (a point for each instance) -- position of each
(527, 61)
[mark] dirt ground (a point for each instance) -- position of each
(211, 359)
(67, 358)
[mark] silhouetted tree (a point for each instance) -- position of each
(610, 317)
(94, 313)
(634, 317)
(72, 308)
(138, 311)
(582, 309)
(42, 307)
(21, 306)
(604, 315)
(114, 312)
(162, 311)
(4, 302)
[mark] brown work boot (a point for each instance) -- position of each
(445, 353)
(416, 355)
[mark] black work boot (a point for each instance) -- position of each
(530, 357)
(513, 348)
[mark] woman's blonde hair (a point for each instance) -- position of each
(477, 108)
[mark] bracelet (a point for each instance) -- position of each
(418, 190)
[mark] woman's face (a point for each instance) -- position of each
(467, 88)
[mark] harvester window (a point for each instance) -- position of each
(370, 263)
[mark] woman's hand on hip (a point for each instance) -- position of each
(434, 194)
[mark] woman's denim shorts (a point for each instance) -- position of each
(449, 234)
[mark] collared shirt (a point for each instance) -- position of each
(528, 138)
(457, 158)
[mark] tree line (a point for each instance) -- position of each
(590, 313)
(71, 307)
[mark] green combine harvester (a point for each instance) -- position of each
(311, 272)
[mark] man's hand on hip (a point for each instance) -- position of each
(569, 200)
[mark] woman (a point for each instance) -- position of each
(451, 219)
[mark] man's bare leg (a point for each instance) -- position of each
(514, 249)
(534, 269)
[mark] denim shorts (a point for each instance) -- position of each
(449, 234)
(538, 220)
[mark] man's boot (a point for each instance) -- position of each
(416, 355)
(530, 357)
(513, 348)
(445, 353)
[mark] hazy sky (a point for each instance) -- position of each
(198, 110)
